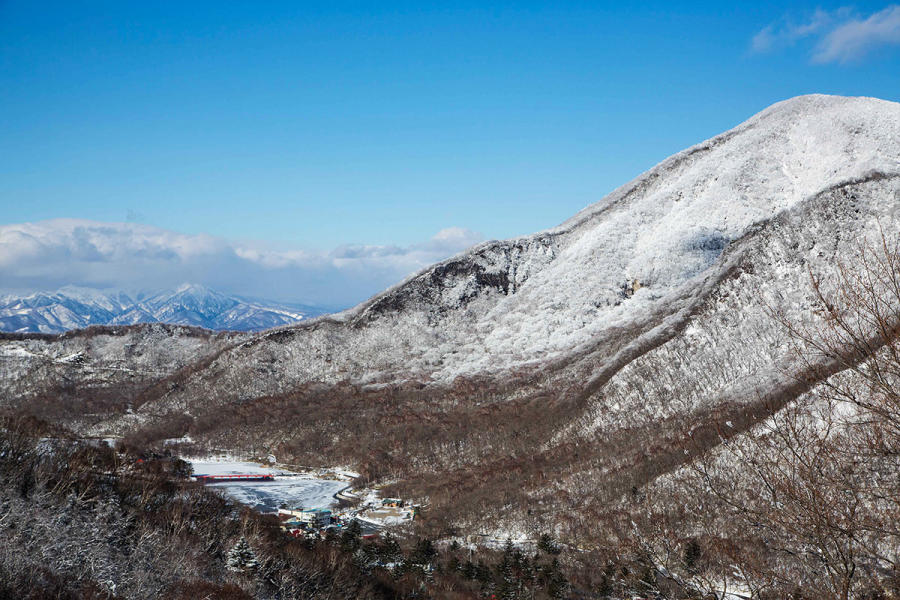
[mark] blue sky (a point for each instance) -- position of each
(303, 126)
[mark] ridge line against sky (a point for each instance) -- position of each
(328, 129)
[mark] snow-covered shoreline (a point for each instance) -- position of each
(288, 488)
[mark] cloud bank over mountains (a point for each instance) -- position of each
(841, 36)
(47, 255)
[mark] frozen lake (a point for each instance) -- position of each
(290, 489)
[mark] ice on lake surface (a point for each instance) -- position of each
(290, 489)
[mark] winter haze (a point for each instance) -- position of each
(48, 255)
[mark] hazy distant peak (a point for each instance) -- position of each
(74, 307)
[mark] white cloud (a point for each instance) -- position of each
(775, 36)
(50, 254)
(840, 35)
(764, 40)
(857, 37)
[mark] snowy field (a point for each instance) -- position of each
(288, 488)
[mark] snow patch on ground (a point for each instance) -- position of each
(16, 351)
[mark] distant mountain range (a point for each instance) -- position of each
(75, 307)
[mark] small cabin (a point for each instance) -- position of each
(392, 502)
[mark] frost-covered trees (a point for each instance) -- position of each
(241, 557)
(810, 497)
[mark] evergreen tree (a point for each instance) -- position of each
(366, 556)
(483, 574)
(508, 551)
(241, 557)
(424, 552)
(331, 536)
(469, 570)
(557, 585)
(528, 574)
(389, 550)
(692, 554)
(509, 586)
(547, 545)
(350, 538)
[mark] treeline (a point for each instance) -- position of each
(112, 330)
(86, 521)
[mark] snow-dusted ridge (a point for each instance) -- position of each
(631, 281)
(504, 304)
(884, 159)
(190, 304)
(562, 370)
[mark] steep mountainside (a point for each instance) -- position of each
(561, 369)
(649, 250)
(195, 305)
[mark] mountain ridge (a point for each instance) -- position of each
(498, 267)
(74, 307)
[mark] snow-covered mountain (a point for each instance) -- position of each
(565, 365)
(622, 277)
(639, 261)
(74, 308)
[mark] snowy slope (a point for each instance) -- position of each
(74, 308)
(635, 261)
(576, 357)
(651, 304)
(101, 363)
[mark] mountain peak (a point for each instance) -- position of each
(812, 103)
(73, 307)
(195, 289)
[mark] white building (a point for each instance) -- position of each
(314, 517)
